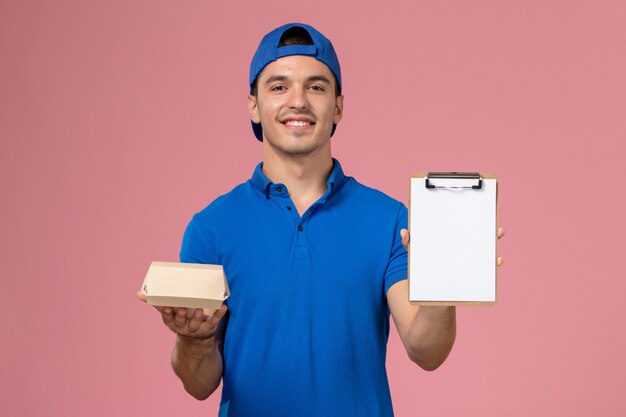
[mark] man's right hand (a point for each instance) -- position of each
(196, 358)
(194, 324)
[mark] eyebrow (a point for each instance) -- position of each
(276, 78)
(321, 78)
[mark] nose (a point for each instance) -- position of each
(297, 98)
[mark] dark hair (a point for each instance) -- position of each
(294, 36)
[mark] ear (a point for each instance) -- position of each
(338, 109)
(253, 108)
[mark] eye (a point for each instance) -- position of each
(278, 88)
(317, 88)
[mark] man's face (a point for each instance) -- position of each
(296, 104)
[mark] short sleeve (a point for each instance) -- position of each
(397, 267)
(198, 243)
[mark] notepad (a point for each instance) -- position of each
(452, 253)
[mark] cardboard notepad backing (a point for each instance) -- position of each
(452, 252)
(173, 284)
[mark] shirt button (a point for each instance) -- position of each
(279, 189)
(289, 208)
(299, 228)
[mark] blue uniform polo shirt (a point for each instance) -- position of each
(308, 320)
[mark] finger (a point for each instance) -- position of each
(500, 232)
(406, 238)
(180, 318)
(499, 261)
(217, 316)
(167, 313)
(210, 323)
(195, 321)
(142, 296)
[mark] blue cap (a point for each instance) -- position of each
(269, 51)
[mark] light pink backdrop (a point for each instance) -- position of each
(120, 119)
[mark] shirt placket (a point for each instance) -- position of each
(302, 223)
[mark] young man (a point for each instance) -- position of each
(315, 261)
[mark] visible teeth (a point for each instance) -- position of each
(297, 123)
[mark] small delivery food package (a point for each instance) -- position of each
(173, 284)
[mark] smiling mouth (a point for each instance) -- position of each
(298, 123)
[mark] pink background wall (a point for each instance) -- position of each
(120, 119)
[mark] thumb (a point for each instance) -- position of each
(142, 296)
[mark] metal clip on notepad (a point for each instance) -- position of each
(454, 181)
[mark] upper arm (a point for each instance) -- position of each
(396, 283)
(198, 245)
(402, 311)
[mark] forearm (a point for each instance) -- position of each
(198, 363)
(431, 336)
